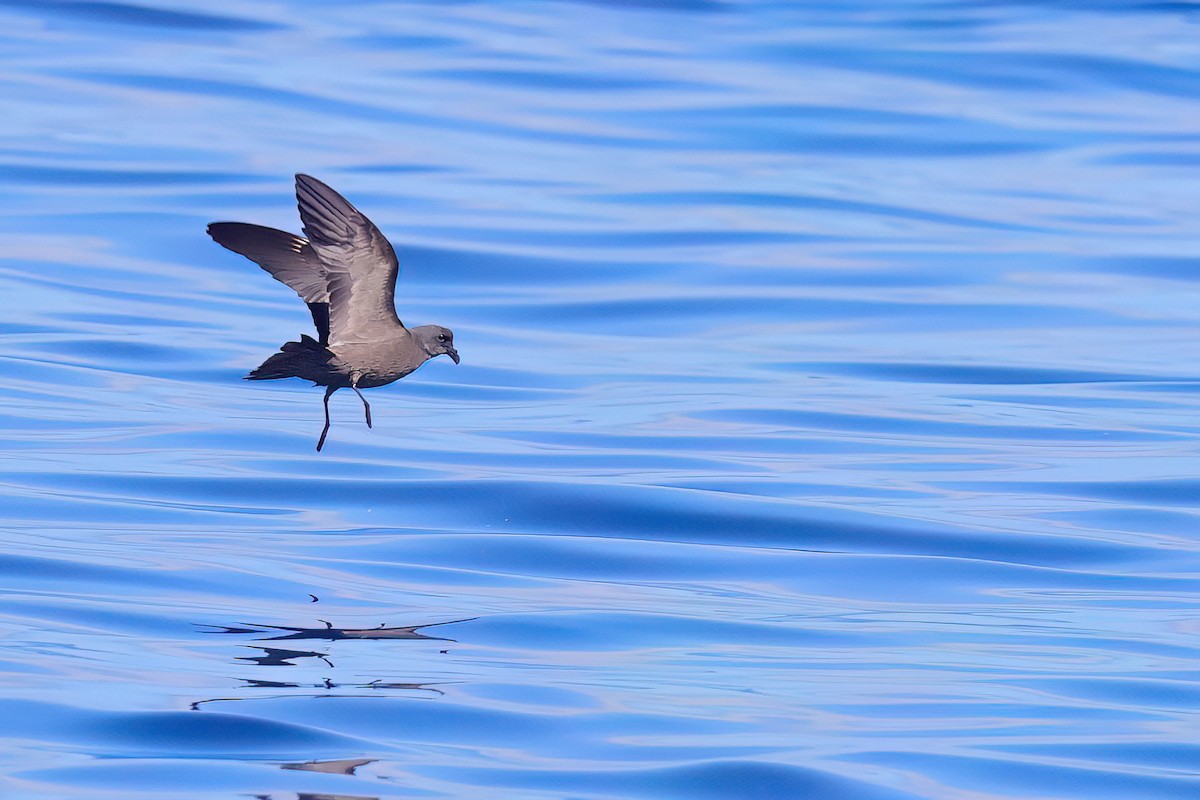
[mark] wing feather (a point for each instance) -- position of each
(360, 265)
(287, 257)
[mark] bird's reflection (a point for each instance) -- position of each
(285, 657)
(327, 686)
(265, 656)
(278, 657)
(345, 766)
(330, 633)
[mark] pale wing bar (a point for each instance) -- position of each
(287, 257)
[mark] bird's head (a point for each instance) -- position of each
(436, 340)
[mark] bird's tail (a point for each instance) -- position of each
(302, 359)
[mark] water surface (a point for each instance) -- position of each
(825, 426)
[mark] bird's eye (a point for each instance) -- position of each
(441, 337)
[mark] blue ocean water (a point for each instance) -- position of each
(826, 425)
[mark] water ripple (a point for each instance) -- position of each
(824, 426)
(143, 16)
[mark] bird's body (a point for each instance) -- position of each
(346, 272)
(365, 365)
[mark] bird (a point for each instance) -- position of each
(345, 270)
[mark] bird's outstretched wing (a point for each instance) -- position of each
(289, 258)
(359, 264)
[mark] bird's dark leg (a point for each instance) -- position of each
(366, 405)
(324, 431)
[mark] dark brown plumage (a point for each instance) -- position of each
(345, 270)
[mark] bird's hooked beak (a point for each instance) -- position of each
(450, 351)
